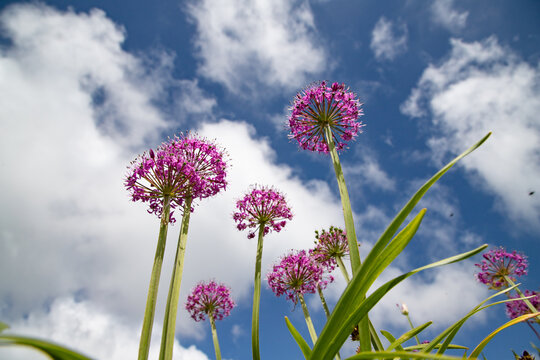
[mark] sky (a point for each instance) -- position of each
(85, 86)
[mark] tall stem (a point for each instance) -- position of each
(309, 323)
(169, 321)
(257, 297)
(412, 327)
(146, 333)
(214, 337)
(326, 310)
(341, 266)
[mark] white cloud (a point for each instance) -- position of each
(388, 40)
(246, 45)
(481, 87)
(445, 15)
(95, 332)
(368, 172)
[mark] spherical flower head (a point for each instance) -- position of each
(209, 299)
(517, 308)
(499, 263)
(208, 161)
(320, 106)
(262, 206)
(330, 245)
(296, 274)
(156, 174)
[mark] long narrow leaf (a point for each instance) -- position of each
(391, 339)
(373, 256)
(356, 290)
(55, 351)
(302, 344)
(400, 354)
(488, 338)
(408, 335)
(326, 348)
(421, 346)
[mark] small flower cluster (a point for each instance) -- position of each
(296, 274)
(262, 206)
(329, 245)
(320, 107)
(210, 299)
(517, 308)
(499, 263)
(184, 166)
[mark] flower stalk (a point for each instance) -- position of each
(215, 337)
(146, 333)
(169, 322)
(522, 296)
(257, 296)
(309, 323)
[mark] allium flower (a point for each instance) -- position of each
(262, 205)
(296, 274)
(319, 107)
(499, 263)
(209, 299)
(329, 245)
(183, 166)
(517, 308)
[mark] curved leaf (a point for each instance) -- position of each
(55, 351)
(400, 354)
(302, 344)
(408, 335)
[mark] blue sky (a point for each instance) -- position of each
(87, 85)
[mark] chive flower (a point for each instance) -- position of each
(210, 299)
(262, 206)
(517, 308)
(498, 264)
(320, 106)
(157, 174)
(330, 245)
(296, 274)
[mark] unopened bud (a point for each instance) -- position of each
(403, 308)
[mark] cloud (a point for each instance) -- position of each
(246, 45)
(388, 40)
(368, 172)
(445, 15)
(481, 87)
(95, 332)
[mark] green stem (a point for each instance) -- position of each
(345, 202)
(309, 323)
(412, 328)
(527, 302)
(214, 337)
(146, 333)
(257, 297)
(341, 266)
(169, 320)
(326, 310)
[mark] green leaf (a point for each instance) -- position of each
(400, 354)
(408, 335)
(299, 339)
(422, 346)
(55, 351)
(3, 326)
(488, 338)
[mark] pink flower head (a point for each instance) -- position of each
(184, 166)
(499, 263)
(517, 308)
(210, 299)
(296, 274)
(262, 206)
(320, 106)
(329, 245)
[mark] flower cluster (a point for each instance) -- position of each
(517, 308)
(184, 166)
(262, 206)
(329, 245)
(296, 274)
(320, 107)
(210, 299)
(499, 263)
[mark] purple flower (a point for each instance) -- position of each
(330, 245)
(184, 166)
(319, 107)
(210, 299)
(262, 206)
(296, 274)
(517, 308)
(499, 263)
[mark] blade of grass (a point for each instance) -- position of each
(408, 335)
(302, 344)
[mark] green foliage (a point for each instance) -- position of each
(54, 351)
